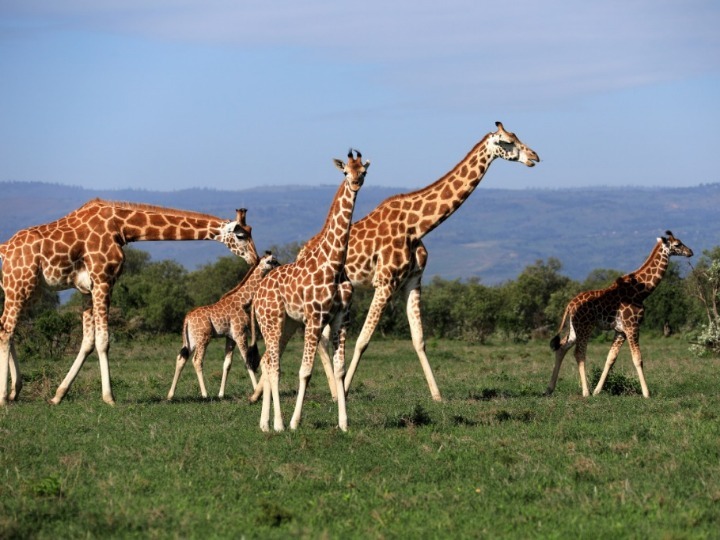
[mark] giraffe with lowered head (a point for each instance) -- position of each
(227, 317)
(84, 250)
(312, 292)
(385, 249)
(618, 307)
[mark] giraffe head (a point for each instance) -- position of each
(675, 246)
(506, 145)
(354, 170)
(267, 262)
(237, 236)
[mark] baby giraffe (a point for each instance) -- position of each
(619, 307)
(311, 292)
(227, 317)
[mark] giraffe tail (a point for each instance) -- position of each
(555, 342)
(185, 350)
(253, 355)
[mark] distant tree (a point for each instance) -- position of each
(154, 299)
(669, 306)
(704, 284)
(525, 300)
(207, 284)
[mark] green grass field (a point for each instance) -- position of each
(495, 459)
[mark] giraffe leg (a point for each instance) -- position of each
(611, 357)
(580, 356)
(197, 361)
(418, 339)
(240, 339)
(323, 348)
(86, 347)
(13, 304)
(634, 343)
(5, 338)
(180, 361)
(312, 337)
(377, 306)
(227, 364)
(277, 334)
(288, 332)
(15, 376)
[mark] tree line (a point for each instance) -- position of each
(152, 297)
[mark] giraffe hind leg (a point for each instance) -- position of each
(611, 357)
(561, 347)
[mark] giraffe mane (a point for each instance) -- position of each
(143, 207)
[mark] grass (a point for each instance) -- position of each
(494, 459)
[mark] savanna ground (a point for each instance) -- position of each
(495, 459)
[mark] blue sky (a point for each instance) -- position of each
(234, 94)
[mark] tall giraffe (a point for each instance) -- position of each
(618, 307)
(227, 317)
(84, 250)
(312, 292)
(385, 248)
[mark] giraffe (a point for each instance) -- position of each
(227, 317)
(618, 307)
(83, 250)
(312, 292)
(385, 248)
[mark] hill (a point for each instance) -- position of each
(493, 236)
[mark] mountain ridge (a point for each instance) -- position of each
(492, 237)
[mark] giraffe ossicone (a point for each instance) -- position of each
(84, 250)
(618, 307)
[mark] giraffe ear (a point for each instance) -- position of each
(366, 164)
(339, 164)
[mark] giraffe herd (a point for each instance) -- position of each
(384, 250)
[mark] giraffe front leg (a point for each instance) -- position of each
(339, 368)
(611, 357)
(4, 365)
(633, 341)
(312, 336)
(15, 376)
(227, 364)
(86, 347)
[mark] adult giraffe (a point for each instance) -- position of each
(385, 249)
(84, 250)
(618, 307)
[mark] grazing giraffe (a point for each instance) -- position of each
(227, 317)
(618, 307)
(312, 292)
(385, 248)
(84, 250)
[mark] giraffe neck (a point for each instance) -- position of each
(139, 222)
(249, 282)
(650, 274)
(429, 207)
(332, 240)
